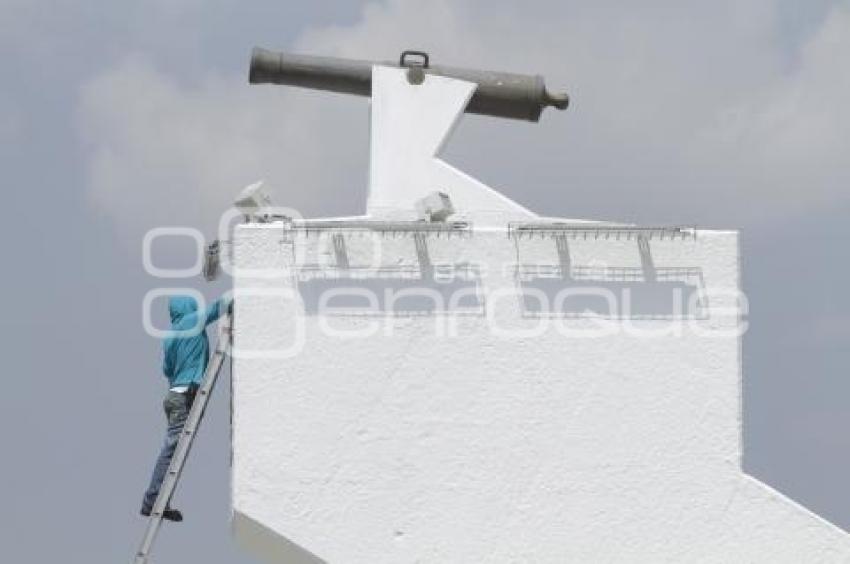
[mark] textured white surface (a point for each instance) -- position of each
(417, 447)
(491, 433)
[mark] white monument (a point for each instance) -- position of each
(490, 385)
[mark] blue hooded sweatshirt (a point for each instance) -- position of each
(185, 356)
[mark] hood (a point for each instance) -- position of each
(178, 306)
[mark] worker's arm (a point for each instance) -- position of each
(197, 320)
(217, 309)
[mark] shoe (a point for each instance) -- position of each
(169, 514)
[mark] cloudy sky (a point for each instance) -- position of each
(116, 117)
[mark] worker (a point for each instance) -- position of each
(185, 355)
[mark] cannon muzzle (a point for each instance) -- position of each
(499, 94)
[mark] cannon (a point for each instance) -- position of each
(498, 94)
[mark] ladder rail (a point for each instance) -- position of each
(187, 437)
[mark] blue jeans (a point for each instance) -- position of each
(176, 408)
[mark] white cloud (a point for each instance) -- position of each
(686, 112)
(165, 153)
(789, 140)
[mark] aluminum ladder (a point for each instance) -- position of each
(187, 437)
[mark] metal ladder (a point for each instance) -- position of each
(187, 437)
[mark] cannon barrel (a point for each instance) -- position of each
(499, 94)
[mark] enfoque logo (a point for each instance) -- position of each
(361, 308)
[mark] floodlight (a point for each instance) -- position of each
(436, 206)
(254, 200)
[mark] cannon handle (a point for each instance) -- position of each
(405, 54)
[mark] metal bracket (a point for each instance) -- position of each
(383, 227)
(616, 232)
(415, 70)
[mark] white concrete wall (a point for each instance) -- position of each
(414, 446)
(490, 429)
